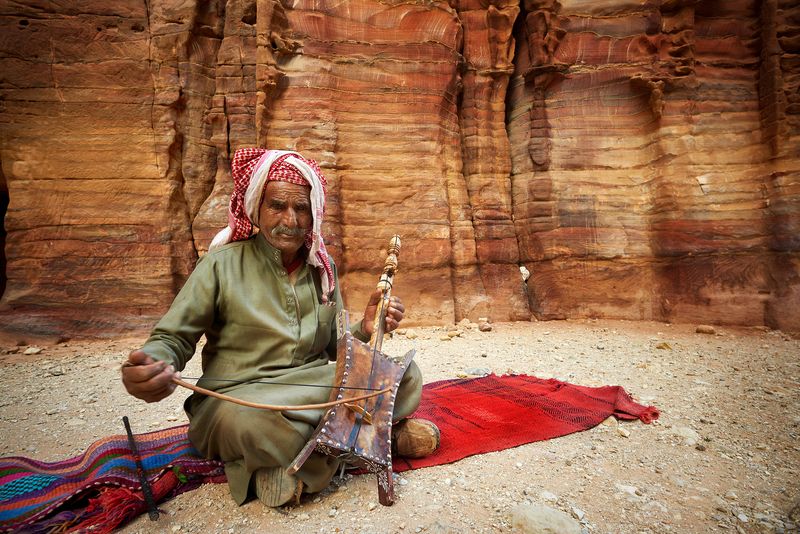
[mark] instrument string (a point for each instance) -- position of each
(231, 381)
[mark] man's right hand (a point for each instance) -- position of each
(146, 378)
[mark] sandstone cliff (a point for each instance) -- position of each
(639, 158)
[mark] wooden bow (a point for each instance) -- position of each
(278, 407)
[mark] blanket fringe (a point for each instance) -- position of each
(649, 415)
(115, 506)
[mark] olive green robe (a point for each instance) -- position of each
(260, 323)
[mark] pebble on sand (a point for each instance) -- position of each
(705, 329)
(689, 436)
(539, 519)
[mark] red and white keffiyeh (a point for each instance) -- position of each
(252, 168)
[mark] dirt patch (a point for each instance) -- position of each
(725, 455)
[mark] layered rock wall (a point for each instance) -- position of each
(640, 159)
(648, 161)
(105, 157)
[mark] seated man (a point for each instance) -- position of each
(266, 304)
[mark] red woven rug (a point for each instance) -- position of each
(479, 415)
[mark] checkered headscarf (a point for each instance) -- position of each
(252, 168)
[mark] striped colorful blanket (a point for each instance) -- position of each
(100, 488)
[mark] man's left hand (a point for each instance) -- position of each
(394, 314)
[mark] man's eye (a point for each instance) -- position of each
(303, 207)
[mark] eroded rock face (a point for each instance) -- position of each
(639, 159)
(655, 160)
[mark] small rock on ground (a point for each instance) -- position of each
(539, 519)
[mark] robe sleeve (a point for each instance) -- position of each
(192, 314)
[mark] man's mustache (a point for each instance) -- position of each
(286, 231)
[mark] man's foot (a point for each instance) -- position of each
(414, 438)
(275, 487)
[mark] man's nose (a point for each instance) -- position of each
(290, 218)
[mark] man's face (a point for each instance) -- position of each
(285, 216)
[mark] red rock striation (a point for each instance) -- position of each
(640, 159)
(654, 164)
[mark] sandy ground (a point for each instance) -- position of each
(724, 456)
